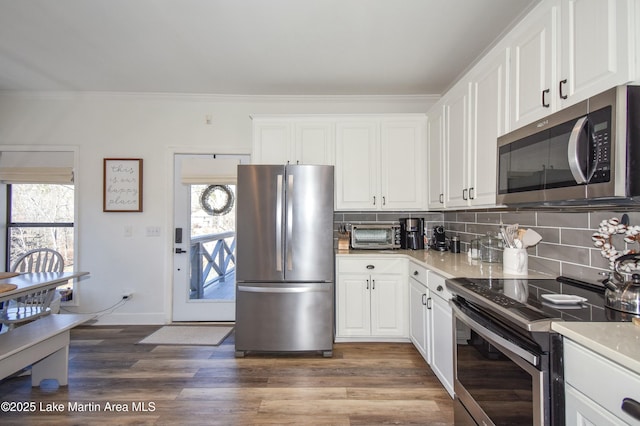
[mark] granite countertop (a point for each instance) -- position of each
(447, 264)
(617, 341)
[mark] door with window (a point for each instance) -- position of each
(204, 237)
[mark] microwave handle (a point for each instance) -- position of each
(573, 150)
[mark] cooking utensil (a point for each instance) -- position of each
(623, 289)
(531, 238)
(509, 234)
(505, 237)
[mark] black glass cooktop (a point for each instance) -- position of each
(522, 301)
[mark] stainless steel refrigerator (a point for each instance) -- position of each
(284, 259)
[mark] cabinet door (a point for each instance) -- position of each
(442, 344)
(357, 165)
(353, 305)
(435, 158)
(418, 326)
(583, 411)
(595, 48)
(402, 162)
(314, 143)
(488, 122)
(533, 70)
(388, 305)
(272, 142)
(457, 140)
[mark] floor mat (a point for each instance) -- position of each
(188, 335)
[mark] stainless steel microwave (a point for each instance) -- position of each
(588, 153)
(376, 236)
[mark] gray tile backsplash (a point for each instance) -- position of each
(566, 247)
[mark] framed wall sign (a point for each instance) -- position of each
(122, 185)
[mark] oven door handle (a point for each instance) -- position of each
(493, 337)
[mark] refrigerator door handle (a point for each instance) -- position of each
(279, 223)
(289, 222)
(253, 289)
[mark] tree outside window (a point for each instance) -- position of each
(40, 216)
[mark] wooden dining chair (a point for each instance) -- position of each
(32, 306)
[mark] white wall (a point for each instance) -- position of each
(151, 127)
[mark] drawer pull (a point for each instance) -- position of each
(415, 272)
(631, 407)
(439, 288)
(370, 266)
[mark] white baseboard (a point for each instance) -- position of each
(131, 319)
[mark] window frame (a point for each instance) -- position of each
(10, 224)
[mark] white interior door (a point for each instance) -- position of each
(204, 237)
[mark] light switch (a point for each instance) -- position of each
(153, 231)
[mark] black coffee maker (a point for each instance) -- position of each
(438, 239)
(412, 233)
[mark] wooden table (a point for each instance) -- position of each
(29, 282)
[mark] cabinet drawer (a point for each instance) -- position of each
(600, 379)
(371, 265)
(438, 286)
(418, 272)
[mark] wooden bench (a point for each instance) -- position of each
(43, 344)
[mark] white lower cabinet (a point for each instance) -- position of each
(371, 298)
(441, 330)
(431, 322)
(419, 303)
(598, 390)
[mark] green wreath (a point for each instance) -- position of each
(208, 198)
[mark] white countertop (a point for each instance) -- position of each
(447, 264)
(617, 341)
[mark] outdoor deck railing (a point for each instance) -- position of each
(212, 260)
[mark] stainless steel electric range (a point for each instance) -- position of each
(508, 362)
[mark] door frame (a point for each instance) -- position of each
(172, 151)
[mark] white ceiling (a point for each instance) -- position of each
(247, 47)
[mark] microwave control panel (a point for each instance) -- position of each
(601, 145)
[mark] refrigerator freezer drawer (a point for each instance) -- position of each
(284, 317)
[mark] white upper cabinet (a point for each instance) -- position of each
(566, 51)
(595, 47)
(272, 142)
(435, 158)
(380, 163)
(314, 142)
(488, 121)
(533, 69)
(474, 117)
(402, 174)
(293, 140)
(456, 130)
(357, 164)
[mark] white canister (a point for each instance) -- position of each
(515, 261)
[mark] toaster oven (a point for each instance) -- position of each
(375, 236)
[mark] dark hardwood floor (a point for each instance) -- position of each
(363, 384)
